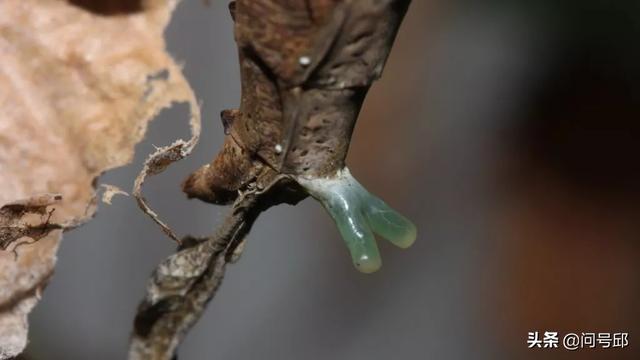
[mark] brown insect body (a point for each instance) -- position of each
(306, 67)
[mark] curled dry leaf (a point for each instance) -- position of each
(77, 89)
(27, 218)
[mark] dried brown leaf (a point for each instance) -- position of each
(27, 218)
(76, 91)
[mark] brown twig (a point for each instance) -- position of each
(182, 285)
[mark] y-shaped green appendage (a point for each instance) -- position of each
(358, 214)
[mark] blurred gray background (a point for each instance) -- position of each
(495, 255)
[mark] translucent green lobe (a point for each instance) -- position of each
(358, 214)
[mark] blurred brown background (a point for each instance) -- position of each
(507, 130)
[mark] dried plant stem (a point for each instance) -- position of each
(183, 284)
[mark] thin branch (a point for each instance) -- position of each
(182, 285)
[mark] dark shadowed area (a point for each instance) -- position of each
(110, 7)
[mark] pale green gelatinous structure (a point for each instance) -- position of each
(358, 215)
